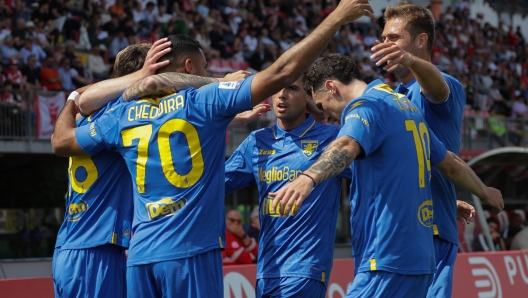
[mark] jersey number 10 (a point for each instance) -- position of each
(423, 150)
(144, 133)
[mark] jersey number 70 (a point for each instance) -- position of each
(144, 133)
(423, 150)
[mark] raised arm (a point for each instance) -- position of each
(298, 58)
(458, 172)
(103, 92)
(339, 154)
(171, 82)
(434, 87)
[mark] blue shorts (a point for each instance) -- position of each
(91, 272)
(290, 287)
(445, 253)
(198, 276)
(377, 284)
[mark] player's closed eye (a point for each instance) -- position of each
(235, 220)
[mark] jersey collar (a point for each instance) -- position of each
(299, 131)
(409, 84)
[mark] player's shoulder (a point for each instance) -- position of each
(325, 129)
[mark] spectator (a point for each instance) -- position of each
(70, 50)
(5, 11)
(20, 11)
(258, 58)
(118, 43)
(162, 17)
(31, 49)
(42, 13)
(49, 76)
(519, 108)
(521, 240)
(69, 75)
(96, 64)
(84, 76)
(515, 226)
(9, 52)
(14, 75)
(254, 229)
(31, 73)
(83, 43)
(498, 129)
(480, 244)
(240, 248)
(117, 9)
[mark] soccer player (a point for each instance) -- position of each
(408, 41)
(393, 151)
(89, 259)
(295, 253)
(174, 148)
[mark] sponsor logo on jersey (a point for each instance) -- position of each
(267, 208)
(425, 213)
(309, 147)
(126, 233)
(278, 174)
(77, 210)
(164, 207)
(229, 85)
(266, 152)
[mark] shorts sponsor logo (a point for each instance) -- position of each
(425, 213)
(77, 210)
(164, 207)
(309, 147)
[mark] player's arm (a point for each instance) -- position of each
(465, 212)
(433, 85)
(336, 157)
(290, 65)
(171, 82)
(63, 142)
(239, 166)
(246, 117)
(458, 172)
(101, 93)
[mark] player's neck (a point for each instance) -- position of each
(353, 90)
(288, 124)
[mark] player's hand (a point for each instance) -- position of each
(249, 116)
(292, 194)
(494, 199)
(391, 54)
(350, 10)
(236, 76)
(465, 212)
(158, 50)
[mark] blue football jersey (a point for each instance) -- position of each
(299, 245)
(445, 120)
(99, 205)
(174, 148)
(392, 209)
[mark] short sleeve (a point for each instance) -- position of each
(239, 167)
(438, 150)
(363, 124)
(101, 133)
(454, 103)
(227, 98)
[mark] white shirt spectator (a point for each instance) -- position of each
(96, 64)
(164, 19)
(521, 240)
(251, 42)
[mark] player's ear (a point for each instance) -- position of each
(330, 87)
(188, 65)
(421, 40)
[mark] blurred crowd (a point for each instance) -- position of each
(66, 44)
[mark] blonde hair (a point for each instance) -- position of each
(130, 59)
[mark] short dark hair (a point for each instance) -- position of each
(418, 20)
(182, 46)
(130, 59)
(334, 66)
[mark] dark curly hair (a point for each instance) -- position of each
(334, 66)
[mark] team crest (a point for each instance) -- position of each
(309, 147)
